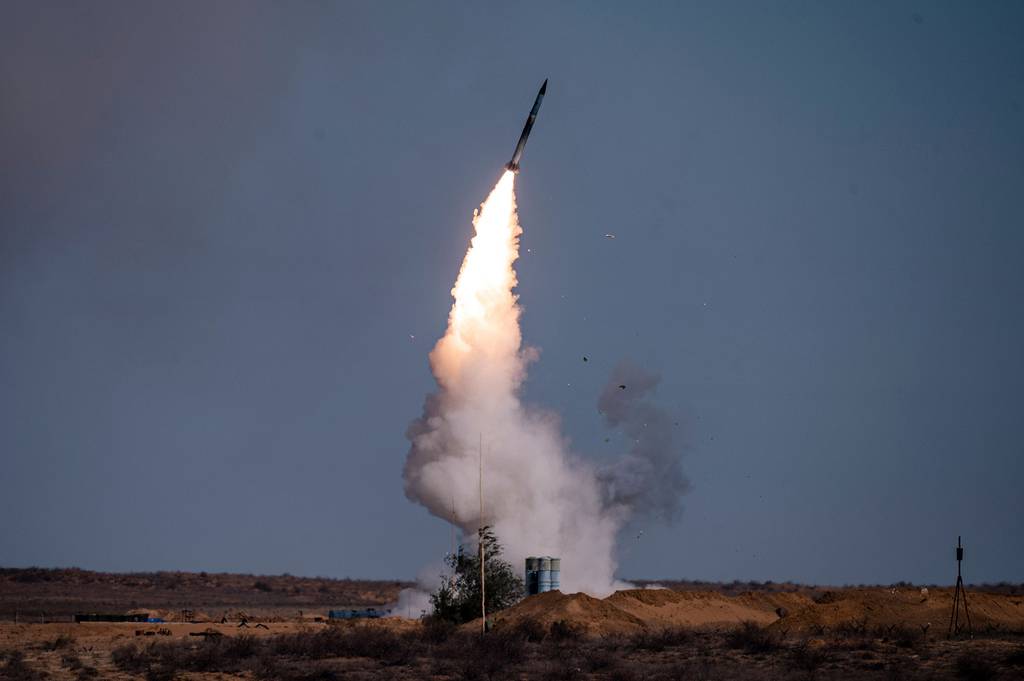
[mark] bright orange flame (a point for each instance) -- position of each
(484, 319)
(539, 500)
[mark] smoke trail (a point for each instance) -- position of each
(539, 499)
(649, 479)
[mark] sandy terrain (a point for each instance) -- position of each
(93, 642)
(56, 594)
(872, 608)
(403, 649)
(640, 633)
(638, 609)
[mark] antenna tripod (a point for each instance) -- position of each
(959, 594)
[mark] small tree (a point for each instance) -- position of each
(458, 598)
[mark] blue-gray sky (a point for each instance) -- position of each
(221, 225)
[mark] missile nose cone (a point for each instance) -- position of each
(544, 87)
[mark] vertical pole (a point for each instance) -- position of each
(960, 586)
(453, 525)
(954, 616)
(483, 558)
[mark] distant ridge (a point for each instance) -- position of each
(65, 591)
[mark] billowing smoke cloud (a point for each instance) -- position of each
(649, 479)
(539, 498)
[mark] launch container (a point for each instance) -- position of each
(543, 573)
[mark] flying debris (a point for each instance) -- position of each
(513, 165)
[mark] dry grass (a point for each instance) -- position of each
(748, 652)
(13, 667)
(752, 639)
(557, 652)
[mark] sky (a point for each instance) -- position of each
(229, 231)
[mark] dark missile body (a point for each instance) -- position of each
(513, 165)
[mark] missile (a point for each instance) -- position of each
(513, 165)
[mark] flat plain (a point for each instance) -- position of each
(260, 627)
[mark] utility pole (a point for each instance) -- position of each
(453, 525)
(483, 557)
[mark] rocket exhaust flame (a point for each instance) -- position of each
(540, 499)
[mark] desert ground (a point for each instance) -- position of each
(728, 632)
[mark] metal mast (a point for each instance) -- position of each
(483, 558)
(959, 594)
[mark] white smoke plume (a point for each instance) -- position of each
(540, 499)
(414, 602)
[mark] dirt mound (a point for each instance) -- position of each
(651, 597)
(660, 608)
(772, 601)
(635, 610)
(869, 610)
(591, 615)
